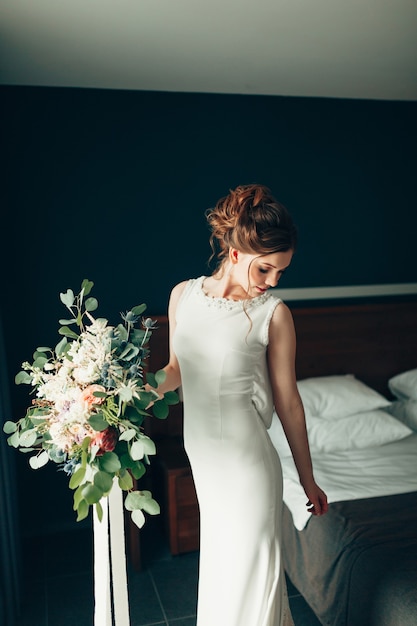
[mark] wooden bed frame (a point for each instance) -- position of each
(373, 341)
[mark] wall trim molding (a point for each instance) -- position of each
(349, 291)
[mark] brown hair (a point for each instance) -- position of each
(251, 220)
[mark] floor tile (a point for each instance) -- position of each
(144, 604)
(58, 587)
(176, 582)
(184, 621)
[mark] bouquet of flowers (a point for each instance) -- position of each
(90, 403)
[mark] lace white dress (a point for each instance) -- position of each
(221, 348)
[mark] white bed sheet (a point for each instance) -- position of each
(365, 473)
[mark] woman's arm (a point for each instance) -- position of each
(171, 369)
(288, 404)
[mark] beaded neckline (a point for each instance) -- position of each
(225, 303)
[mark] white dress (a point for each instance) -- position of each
(221, 348)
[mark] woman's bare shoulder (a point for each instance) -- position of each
(282, 313)
(176, 294)
(282, 319)
(179, 287)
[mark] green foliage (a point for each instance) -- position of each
(90, 404)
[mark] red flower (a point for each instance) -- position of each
(106, 440)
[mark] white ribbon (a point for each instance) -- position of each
(111, 601)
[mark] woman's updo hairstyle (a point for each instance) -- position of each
(251, 220)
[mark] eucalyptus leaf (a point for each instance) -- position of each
(37, 415)
(82, 509)
(125, 481)
(99, 511)
(148, 445)
(23, 378)
(146, 397)
(98, 422)
(78, 496)
(67, 332)
(85, 444)
(87, 286)
(160, 376)
(103, 481)
(142, 500)
(137, 450)
(60, 348)
(138, 518)
(91, 304)
(9, 427)
(134, 500)
(151, 506)
(138, 470)
(128, 434)
(160, 409)
(33, 462)
(43, 349)
(63, 322)
(39, 460)
(126, 461)
(171, 397)
(151, 379)
(28, 438)
(92, 494)
(134, 414)
(109, 462)
(40, 362)
(67, 298)
(14, 440)
(77, 478)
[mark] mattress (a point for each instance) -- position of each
(354, 474)
(356, 565)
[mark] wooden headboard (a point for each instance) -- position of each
(373, 341)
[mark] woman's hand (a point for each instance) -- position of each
(317, 500)
(154, 392)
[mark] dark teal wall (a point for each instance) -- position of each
(113, 185)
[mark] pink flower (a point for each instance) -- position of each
(89, 398)
(106, 440)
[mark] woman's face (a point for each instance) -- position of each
(257, 273)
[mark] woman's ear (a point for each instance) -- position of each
(233, 255)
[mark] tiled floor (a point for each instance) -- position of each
(58, 586)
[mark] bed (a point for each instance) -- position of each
(356, 566)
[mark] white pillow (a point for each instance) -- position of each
(363, 430)
(276, 432)
(405, 411)
(338, 396)
(404, 385)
